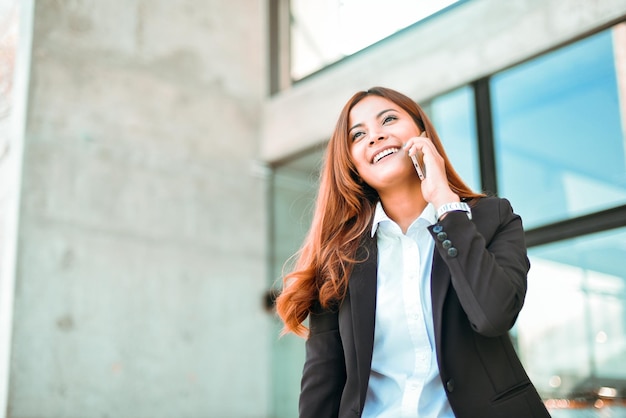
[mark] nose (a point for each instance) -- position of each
(377, 136)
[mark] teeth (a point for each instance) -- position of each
(384, 153)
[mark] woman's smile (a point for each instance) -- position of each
(385, 153)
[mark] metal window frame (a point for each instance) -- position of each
(279, 44)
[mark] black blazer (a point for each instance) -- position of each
(478, 288)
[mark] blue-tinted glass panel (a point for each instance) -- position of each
(294, 189)
(454, 117)
(559, 137)
(571, 333)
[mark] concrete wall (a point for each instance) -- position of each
(12, 116)
(474, 39)
(141, 243)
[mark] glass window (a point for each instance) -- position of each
(294, 190)
(454, 118)
(323, 32)
(571, 333)
(559, 138)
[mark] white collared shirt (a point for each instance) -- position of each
(404, 378)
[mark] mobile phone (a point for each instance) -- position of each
(418, 162)
(418, 167)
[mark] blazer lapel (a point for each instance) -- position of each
(362, 288)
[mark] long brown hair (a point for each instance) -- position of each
(343, 212)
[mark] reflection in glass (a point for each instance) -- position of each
(454, 118)
(294, 187)
(558, 133)
(324, 32)
(571, 333)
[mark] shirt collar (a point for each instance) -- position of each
(428, 214)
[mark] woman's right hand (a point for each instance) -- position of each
(435, 186)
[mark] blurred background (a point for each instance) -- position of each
(159, 162)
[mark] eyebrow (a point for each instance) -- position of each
(382, 112)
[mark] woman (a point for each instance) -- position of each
(410, 285)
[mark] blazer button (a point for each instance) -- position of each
(450, 385)
(441, 236)
(437, 229)
(446, 244)
(453, 252)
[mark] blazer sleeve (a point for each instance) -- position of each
(488, 263)
(324, 374)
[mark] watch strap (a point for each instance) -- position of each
(454, 207)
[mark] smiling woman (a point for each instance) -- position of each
(410, 285)
(381, 131)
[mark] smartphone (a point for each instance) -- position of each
(418, 162)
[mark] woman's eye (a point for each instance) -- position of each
(389, 119)
(357, 135)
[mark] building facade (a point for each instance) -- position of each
(159, 163)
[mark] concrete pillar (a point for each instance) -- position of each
(141, 243)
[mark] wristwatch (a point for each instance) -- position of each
(454, 207)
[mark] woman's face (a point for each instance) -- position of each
(378, 129)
